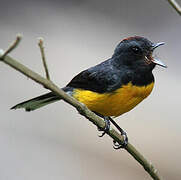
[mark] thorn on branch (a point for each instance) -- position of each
(40, 43)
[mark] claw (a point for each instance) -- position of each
(102, 133)
(107, 127)
(116, 145)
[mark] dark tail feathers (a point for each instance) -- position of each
(37, 102)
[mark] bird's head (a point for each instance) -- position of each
(136, 52)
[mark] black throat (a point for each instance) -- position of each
(142, 79)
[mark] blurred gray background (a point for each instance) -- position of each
(55, 142)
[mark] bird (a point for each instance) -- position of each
(114, 86)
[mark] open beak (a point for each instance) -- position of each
(155, 60)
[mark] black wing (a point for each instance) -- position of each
(101, 78)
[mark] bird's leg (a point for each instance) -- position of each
(107, 120)
(123, 133)
(107, 126)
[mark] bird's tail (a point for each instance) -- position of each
(37, 102)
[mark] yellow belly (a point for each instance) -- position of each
(115, 103)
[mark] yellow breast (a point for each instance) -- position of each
(115, 103)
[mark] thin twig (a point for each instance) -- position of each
(83, 110)
(175, 5)
(40, 43)
(13, 46)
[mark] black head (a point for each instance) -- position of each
(136, 52)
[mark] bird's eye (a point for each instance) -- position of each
(136, 50)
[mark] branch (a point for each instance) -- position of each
(175, 5)
(13, 46)
(43, 58)
(82, 109)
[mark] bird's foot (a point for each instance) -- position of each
(117, 145)
(107, 121)
(107, 126)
